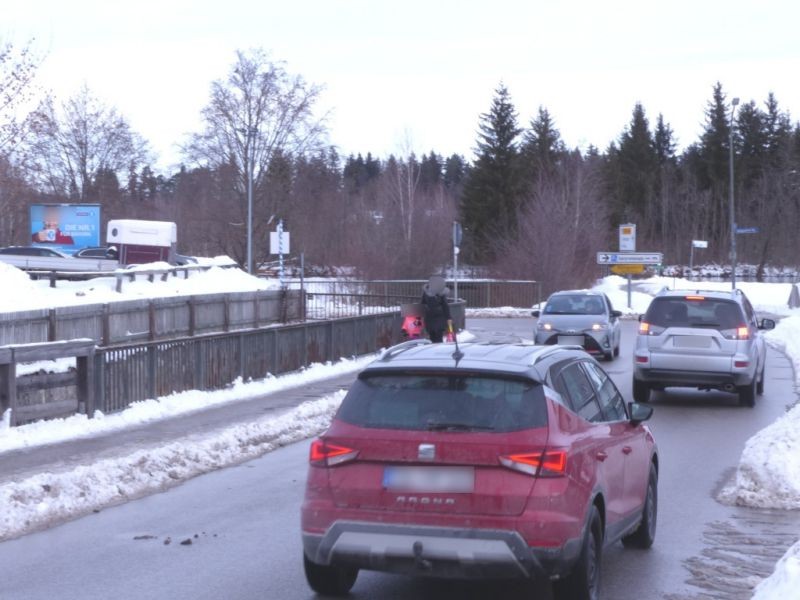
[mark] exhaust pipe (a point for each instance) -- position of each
(729, 387)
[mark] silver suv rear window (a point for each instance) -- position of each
(444, 402)
(695, 311)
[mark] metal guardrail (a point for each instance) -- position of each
(120, 274)
(477, 293)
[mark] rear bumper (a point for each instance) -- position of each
(437, 551)
(676, 378)
(593, 343)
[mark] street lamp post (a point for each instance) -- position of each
(249, 159)
(734, 102)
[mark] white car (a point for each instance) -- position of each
(582, 318)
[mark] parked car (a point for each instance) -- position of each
(183, 260)
(32, 251)
(703, 339)
(107, 252)
(484, 461)
(581, 318)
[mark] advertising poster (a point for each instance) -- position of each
(65, 227)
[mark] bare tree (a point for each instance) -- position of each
(560, 228)
(259, 112)
(80, 139)
(18, 66)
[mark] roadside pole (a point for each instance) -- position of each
(457, 233)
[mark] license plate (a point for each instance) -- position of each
(429, 479)
(570, 340)
(691, 341)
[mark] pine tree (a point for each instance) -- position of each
(455, 170)
(664, 142)
(542, 147)
(751, 142)
(778, 131)
(493, 190)
(633, 169)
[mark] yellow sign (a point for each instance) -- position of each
(627, 269)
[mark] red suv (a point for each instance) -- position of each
(511, 461)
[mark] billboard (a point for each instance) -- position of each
(65, 227)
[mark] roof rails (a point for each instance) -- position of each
(550, 350)
(390, 353)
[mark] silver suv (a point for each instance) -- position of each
(702, 339)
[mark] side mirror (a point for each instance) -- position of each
(640, 318)
(639, 412)
(616, 313)
(535, 313)
(766, 324)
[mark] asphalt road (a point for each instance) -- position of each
(234, 534)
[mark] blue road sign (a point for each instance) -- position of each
(747, 230)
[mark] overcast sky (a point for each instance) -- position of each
(418, 73)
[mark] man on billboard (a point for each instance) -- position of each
(50, 232)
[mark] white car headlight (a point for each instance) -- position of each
(599, 326)
(545, 326)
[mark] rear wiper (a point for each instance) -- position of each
(458, 427)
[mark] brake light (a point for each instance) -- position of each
(539, 464)
(740, 333)
(644, 328)
(741, 364)
(695, 297)
(323, 454)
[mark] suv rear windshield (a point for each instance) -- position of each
(695, 311)
(444, 402)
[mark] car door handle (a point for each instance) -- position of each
(601, 456)
(627, 449)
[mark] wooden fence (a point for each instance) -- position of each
(111, 378)
(152, 319)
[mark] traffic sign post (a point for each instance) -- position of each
(457, 234)
(695, 244)
(627, 269)
(629, 258)
(627, 237)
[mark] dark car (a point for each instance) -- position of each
(580, 317)
(707, 339)
(32, 251)
(484, 461)
(108, 252)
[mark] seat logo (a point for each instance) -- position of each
(426, 452)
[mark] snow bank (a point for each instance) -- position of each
(49, 498)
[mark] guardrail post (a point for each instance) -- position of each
(331, 341)
(85, 384)
(199, 365)
(256, 309)
(152, 374)
(151, 320)
(192, 316)
(99, 376)
(8, 393)
(51, 325)
(241, 356)
(106, 318)
(226, 319)
(275, 351)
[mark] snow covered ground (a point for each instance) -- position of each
(768, 474)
